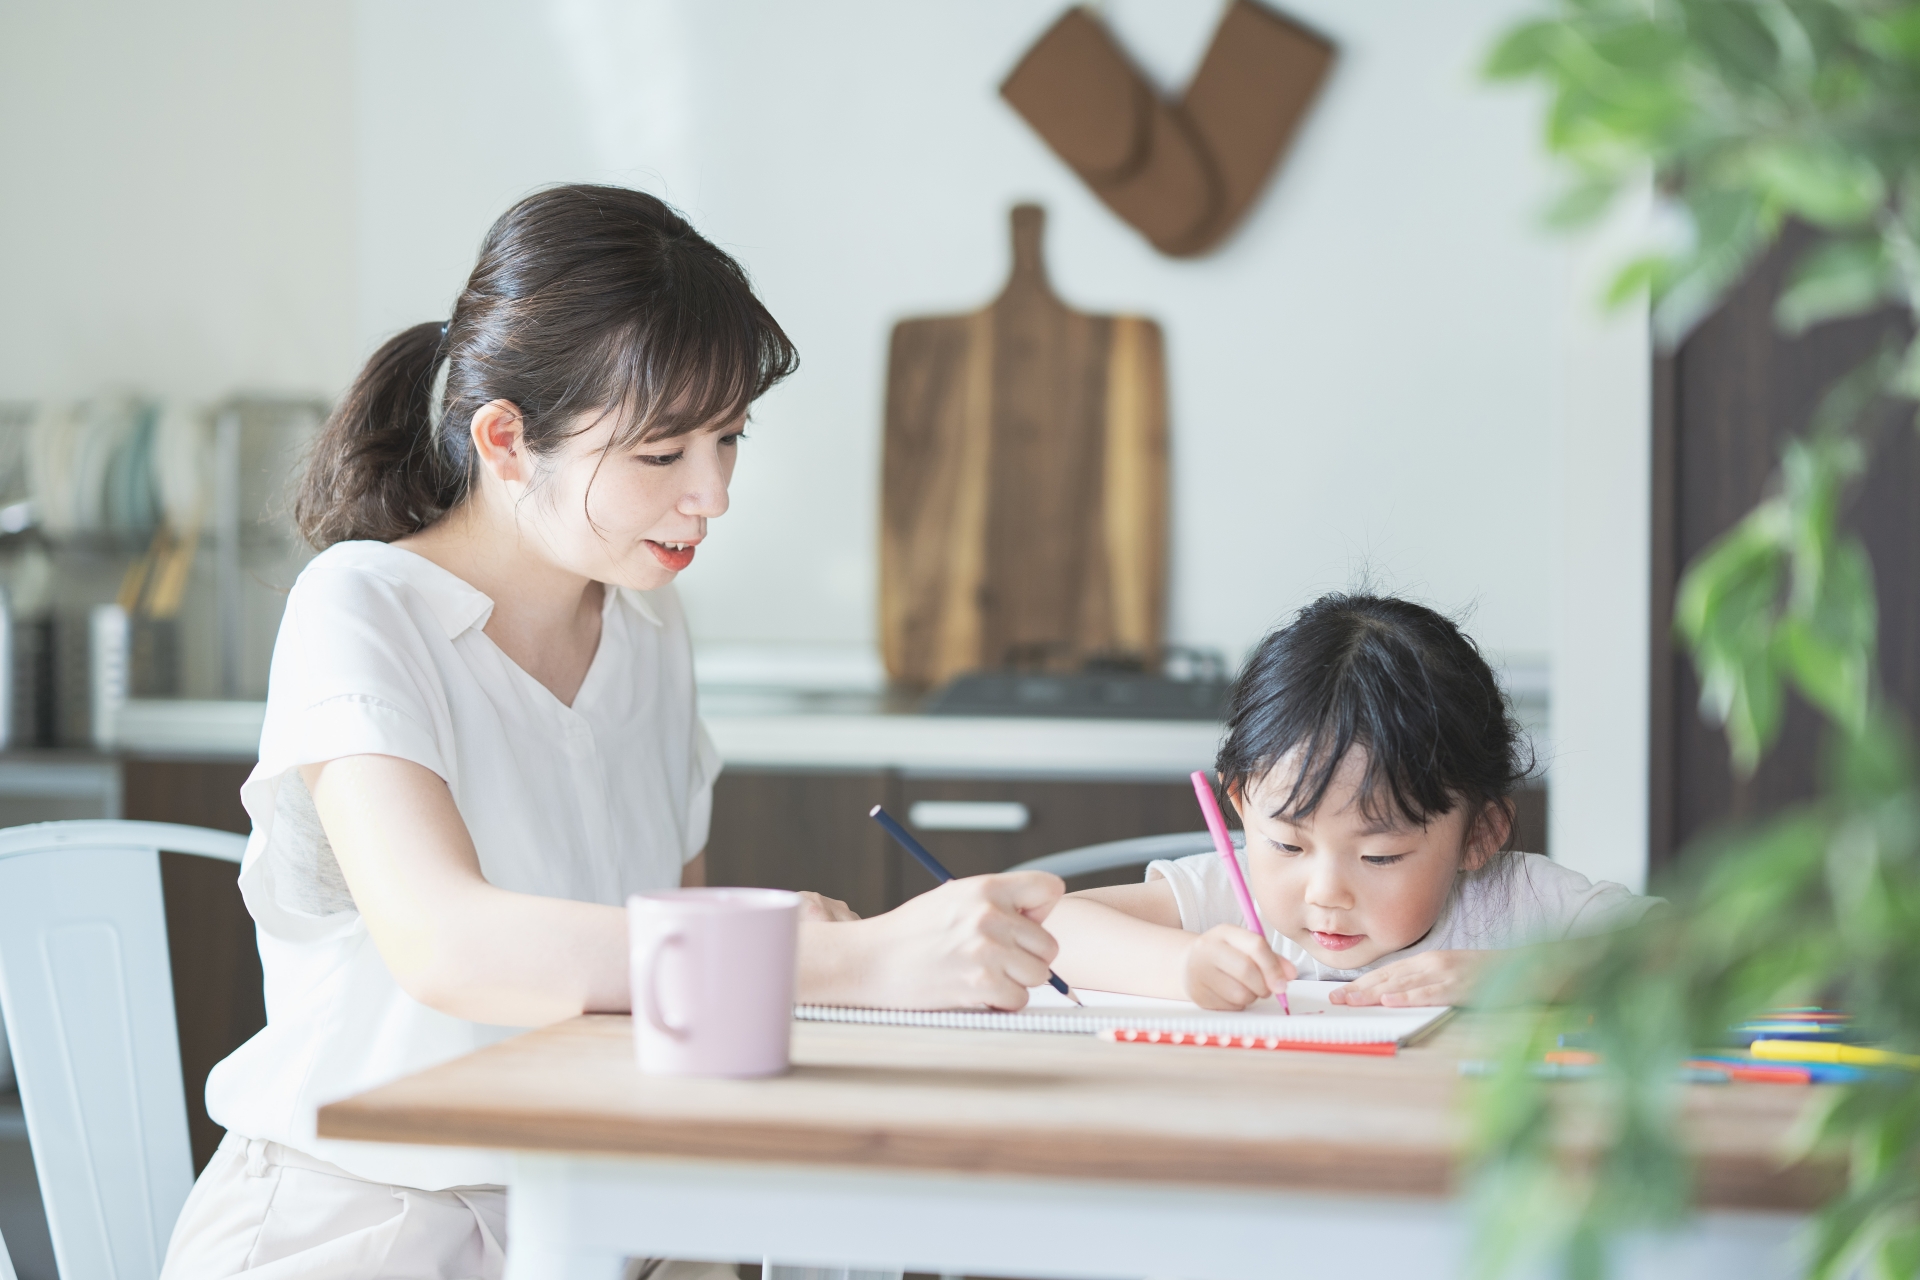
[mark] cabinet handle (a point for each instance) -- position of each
(968, 815)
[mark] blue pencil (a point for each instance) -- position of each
(906, 841)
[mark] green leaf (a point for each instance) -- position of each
(1525, 50)
(1637, 279)
(1581, 204)
(1820, 182)
(1834, 279)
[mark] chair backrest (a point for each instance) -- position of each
(1136, 852)
(87, 993)
(6, 1262)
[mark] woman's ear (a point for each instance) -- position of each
(499, 441)
(1488, 833)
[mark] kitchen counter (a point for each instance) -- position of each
(775, 732)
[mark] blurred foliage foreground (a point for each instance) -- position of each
(1745, 115)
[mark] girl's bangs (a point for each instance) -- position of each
(1383, 795)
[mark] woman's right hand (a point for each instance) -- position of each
(967, 944)
(1229, 968)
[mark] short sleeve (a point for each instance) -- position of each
(706, 769)
(1548, 902)
(353, 674)
(1201, 889)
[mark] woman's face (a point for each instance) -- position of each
(632, 516)
(1349, 888)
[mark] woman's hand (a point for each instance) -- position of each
(1228, 967)
(1432, 977)
(967, 944)
(819, 907)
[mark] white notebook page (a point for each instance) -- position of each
(1313, 1018)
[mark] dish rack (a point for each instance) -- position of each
(146, 550)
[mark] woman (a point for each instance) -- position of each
(480, 733)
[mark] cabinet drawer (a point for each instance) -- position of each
(1058, 815)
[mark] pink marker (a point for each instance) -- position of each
(1217, 826)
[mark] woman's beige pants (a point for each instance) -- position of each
(269, 1212)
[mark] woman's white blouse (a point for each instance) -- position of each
(381, 652)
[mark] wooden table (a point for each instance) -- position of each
(1031, 1155)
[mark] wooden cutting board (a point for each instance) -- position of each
(1024, 514)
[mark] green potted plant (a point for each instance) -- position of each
(1746, 115)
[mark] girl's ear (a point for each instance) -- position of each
(1235, 798)
(1487, 834)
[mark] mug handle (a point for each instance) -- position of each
(649, 984)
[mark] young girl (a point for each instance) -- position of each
(481, 737)
(1372, 758)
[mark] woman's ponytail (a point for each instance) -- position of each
(376, 471)
(586, 301)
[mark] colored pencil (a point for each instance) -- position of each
(1851, 1055)
(906, 841)
(1127, 1035)
(1223, 845)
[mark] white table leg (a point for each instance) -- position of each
(544, 1236)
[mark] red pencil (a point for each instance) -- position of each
(1123, 1035)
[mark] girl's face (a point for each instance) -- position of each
(1347, 888)
(631, 517)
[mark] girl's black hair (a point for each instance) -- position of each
(585, 300)
(1391, 677)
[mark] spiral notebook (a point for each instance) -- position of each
(1313, 1018)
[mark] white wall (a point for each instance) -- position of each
(178, 198)
(1364, 378)
(1602, 593)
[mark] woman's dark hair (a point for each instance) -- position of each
(585, 299)
(1391, 677)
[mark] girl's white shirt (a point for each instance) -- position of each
(1519, 899)
(381, 652)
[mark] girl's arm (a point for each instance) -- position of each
(1127, 938)
(476, 951)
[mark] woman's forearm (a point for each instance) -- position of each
(516, 959)
(1103, 949)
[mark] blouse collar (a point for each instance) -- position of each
(455, 603)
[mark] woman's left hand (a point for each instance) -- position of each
(818, 906)
(1432, 977)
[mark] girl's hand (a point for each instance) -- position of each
(818, 906)
(1229, 968)
(1432, 977)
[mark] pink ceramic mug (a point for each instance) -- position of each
(713, 980)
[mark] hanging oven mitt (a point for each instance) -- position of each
(1182, 175)
(1112, 127)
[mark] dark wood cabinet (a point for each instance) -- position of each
(800, 829)
(1724, 406)
(210, 938)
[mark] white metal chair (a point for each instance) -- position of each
(1136, 852)
(87, 994)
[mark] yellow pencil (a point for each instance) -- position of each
(1815, 1051)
